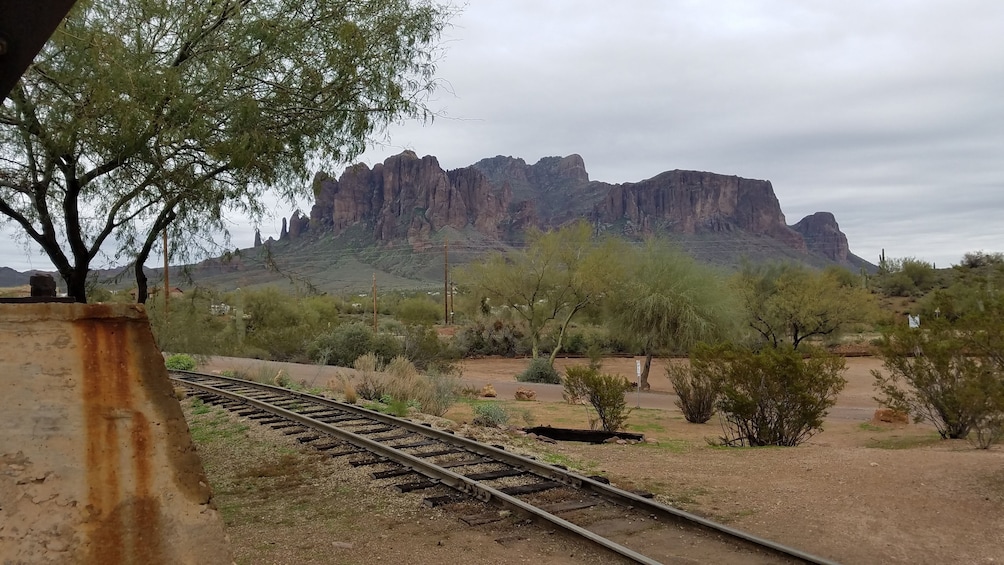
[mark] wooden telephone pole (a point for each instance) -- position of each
(446, 283)
(374, 304)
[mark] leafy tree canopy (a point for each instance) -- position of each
(786, 304)
(557, 276)
(667, 299)
(141, 116)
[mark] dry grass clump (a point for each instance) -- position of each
(401, 384)
(404, 383)
(372, 385)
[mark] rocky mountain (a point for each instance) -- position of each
(413, 201)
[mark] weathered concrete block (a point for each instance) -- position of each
(96, 462)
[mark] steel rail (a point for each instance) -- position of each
(482, 492)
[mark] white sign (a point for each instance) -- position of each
(637, 366)
(914, 321)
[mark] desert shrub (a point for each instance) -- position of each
(980, 259)
(931, 374)
(987, 431)
(482, 337)
(490, 414)
(398, 407)
(422, 346)
(280, 324)
(180, 362)
(193, 327)
(349, 392)
(441, 393)
(403, 381)
(419, 310)
(372, 385)
(696, 389)
(773, 396)
(345, 343)
(282, 379)
(604, 392)
(540, 370)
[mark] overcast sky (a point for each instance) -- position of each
(888, 114)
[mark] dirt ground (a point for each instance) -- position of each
(858, 492)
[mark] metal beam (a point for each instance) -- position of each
(25, 26)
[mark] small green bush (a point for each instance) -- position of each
(605, 393)
(696, 390)
(540, 370)
(180, 362)
(773, 396)
(932, 374)
(490, 414)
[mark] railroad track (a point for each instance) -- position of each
(422, 458)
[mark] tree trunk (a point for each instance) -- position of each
(643, 380)
(76, 283)
(141, 286)
(561, 336)
(163, 220)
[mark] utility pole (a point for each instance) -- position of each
(446, 282)
(374, 304)
(453, 313)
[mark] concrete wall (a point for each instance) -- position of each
(96, 462)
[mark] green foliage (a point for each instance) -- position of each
(342, 345)
(490, 415)
(666, 299)
(398, 407)
(99, 294)
(266, 324)
(180, 362)
(773, 396)
(540, 370)
(907, 276)
(981, 260)
(695, 387)
(423, 347)
(419, 310)
(483, 336)
(282, 325)
(199, 407)
(787, 303)
(604, 392)
(558, 275)
(193, 328)
(933, 374)
(141, 116)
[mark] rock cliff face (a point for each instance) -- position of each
(410, 199)
(823, 236)
(692, 202)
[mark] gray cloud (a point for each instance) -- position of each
(887, 114)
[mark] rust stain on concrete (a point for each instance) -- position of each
(125, 524)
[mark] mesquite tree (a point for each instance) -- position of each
(141, 116)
